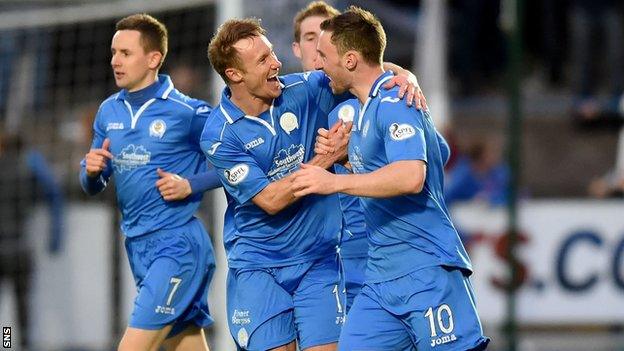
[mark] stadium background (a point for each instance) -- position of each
(508, 94)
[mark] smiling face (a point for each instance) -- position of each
(331, 62)
(305, 48)
(260, 67)
(133, 67)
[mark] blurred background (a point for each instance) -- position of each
(528, 94)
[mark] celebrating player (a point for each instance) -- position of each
(417, 294)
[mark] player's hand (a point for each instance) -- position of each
(340, 138)
(408, 84)
(334, 139)
(311, 179)
(172, 187)
(96, 159)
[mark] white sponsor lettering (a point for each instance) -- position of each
(254, 143)
(401, 131)
(237, 173)
(241, 317)
(165, 310)
(444, 339)
(131, 157)
(114, 126)
(286, 162)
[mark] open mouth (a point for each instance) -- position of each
(272, 79)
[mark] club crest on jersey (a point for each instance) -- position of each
(236, 174)
(288, 122)
(401, 131)
(346, 113)
(157, 128)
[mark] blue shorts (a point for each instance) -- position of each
(270, 307)
(172, 270)
(354, 272)
(429, 309)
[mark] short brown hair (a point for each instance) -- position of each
(315, 8)
(221, 51)
(154, 36)
(359, 30)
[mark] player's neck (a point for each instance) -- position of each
(364, 78)
(249, 104)
(146, 82)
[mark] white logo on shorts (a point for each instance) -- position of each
(241, 317)
(242, 337)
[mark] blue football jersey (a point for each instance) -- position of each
(162, 133)
(407, 232)
(249, 152)
(353, 243)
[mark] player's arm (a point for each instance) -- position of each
(174, 187)
(280, 194)
(276, 196)
(395, 179)
(405, 149)
(408, 83)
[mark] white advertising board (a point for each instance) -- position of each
(571, 254)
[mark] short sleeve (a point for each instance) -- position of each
(402, 130)
(238, 171)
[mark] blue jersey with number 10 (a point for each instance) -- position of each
(407, 232)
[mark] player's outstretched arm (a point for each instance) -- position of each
(395, 179)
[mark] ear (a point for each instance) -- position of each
(350, 60)
(234, 75)
(296, 50)
(155, 59)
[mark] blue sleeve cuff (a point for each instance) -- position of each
(90, 185)
(202, 182)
